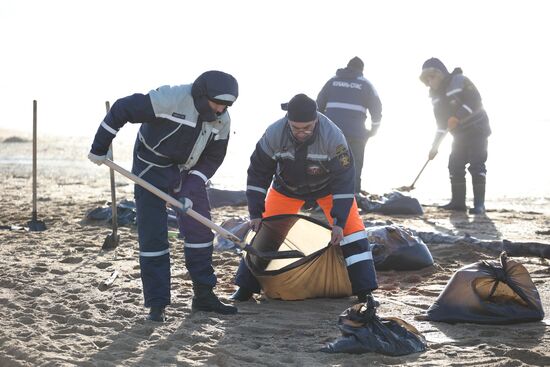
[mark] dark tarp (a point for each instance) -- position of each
(397, 248)
(321, 273)
(219, 198)
(392, 203)
(126, 209)
(126, 214)
(489, 292)
(362, 333)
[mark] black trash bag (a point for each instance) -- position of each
(489, 292)
(219, 198)
(126, 214)
(392, 203)
(396, 248)
(364, 333)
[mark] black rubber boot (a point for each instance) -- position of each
(157, 314)
(479, 199)
(206, 300)
(458, 200)
(241, 295)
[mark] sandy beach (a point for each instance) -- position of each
(54, 310)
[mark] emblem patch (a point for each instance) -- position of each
(343, 155)
(345, 160)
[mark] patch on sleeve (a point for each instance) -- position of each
(343, 155)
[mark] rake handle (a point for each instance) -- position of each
(174, 202)
(419, 173)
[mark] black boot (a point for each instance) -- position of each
(206, 300)
(157, 314)
(458, 200)
(479, 199)
(242, 295)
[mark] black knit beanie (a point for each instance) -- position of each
(301, 108)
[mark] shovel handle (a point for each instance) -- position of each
(419, 173)
(174, 202)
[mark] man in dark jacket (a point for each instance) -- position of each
(345, 99)
(307, 158)
(181, 143)
(458, 110)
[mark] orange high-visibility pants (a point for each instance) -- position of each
(277, 203)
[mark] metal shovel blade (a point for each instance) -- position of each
(405, 188)
(36, 225)
(111, 242)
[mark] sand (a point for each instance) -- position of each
(54, 310)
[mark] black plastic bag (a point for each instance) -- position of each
(396, 248)
(392, 203)
(489, 292)
(363, 333)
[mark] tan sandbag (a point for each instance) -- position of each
(321, 273)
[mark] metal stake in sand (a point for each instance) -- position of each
(112, 240)
(34, 224)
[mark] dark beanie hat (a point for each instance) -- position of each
(301, 108)
(356, 64)
(434, 63)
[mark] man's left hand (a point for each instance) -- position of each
(337, 235)
(372, 132)
(452, 123)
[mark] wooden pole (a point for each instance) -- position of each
(113, 187)
(34, 119)
(34, 223)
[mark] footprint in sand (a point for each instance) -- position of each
(102, 306)
(39, 269)
(104, 265)
(125, 313)
(72, 260)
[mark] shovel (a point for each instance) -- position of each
(411, 187)
(268, 255)
(112, 240)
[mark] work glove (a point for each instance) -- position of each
(254, 224)
(452, 123)
(97, 159)
(187, 204)
(373, 131)
(432, 153)
(337, 235)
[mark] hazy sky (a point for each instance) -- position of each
(73, 55)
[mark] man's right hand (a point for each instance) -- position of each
(254, 224)
(97, 159)
(432, 154)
